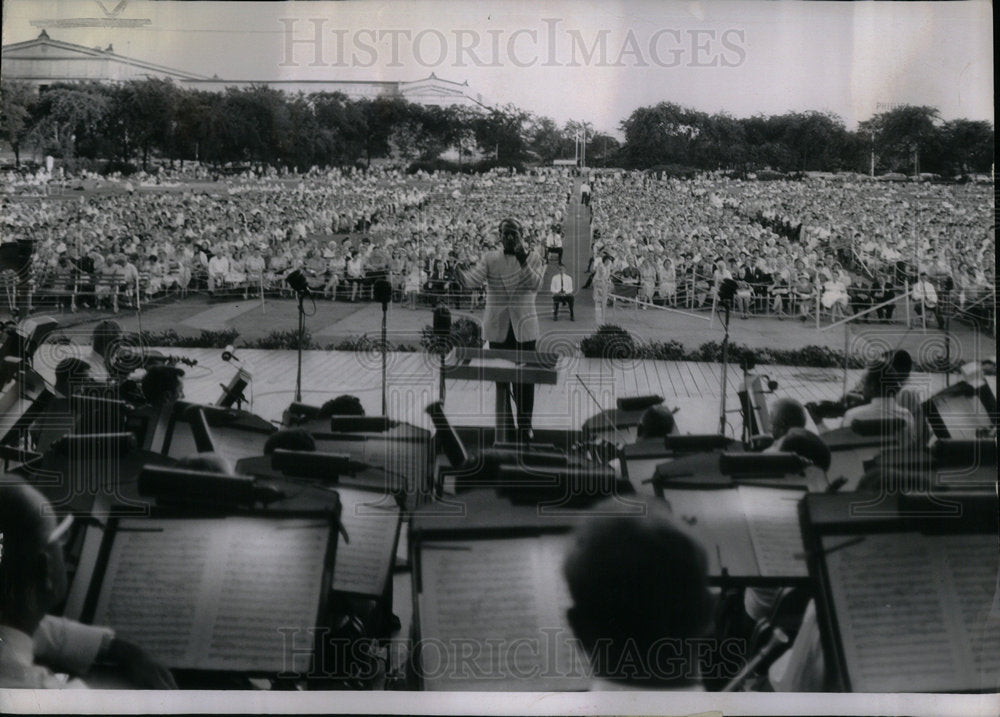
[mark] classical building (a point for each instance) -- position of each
(44, 61)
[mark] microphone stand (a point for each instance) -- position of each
(947, 339)
(441, 377)
(385, 312)
(302, 330)
(725, 365)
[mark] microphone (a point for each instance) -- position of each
(727, 291)
(297, 281)
(442, 322)
(383, 293)
(229, 354)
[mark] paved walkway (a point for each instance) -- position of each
(576, 238)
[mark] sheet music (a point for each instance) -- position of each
(715, 519)
(230, 443)
(974, 579)
(773, 521)
(494, 610)
(962, 415)
(363, 564)
(219, 594)
(912, 611)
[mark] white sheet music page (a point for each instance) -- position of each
(913, 611)
(218, 594)
(714, 518)
(492, 616)
(773, 521)
(372, 525)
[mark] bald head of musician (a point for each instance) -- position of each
(786, 414)
(32, 571)
(33, 582)
(640, 596)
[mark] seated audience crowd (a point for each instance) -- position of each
(797, 247)
(342, 229)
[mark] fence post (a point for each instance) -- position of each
(260, 280)
(819, 303)
(906, 289)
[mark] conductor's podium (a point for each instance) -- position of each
(501, 367)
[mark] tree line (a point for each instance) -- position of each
(907, 139)
(133, 122)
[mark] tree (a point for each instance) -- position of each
(71, 119)
(968, 146)
(501, 132)
(663, 134)
(16, 101)
(143, 116)
(342, 124)
(302, 147)
(721, 143)
(901, 134)
(602, 150)
(815, 138)
(546, 139)
(381, 115)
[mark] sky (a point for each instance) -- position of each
(580, 60)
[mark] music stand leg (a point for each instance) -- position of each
(504, 414)
(298, 370)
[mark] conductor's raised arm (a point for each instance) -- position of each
(532, 272)
(473, 276)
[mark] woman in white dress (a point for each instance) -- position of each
(668, 282)
(834, 297)
(647, 280)
(415, 278)
(602, 287)
(237, 270)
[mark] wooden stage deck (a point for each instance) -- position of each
(692, 387)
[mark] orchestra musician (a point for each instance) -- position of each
(37, 650)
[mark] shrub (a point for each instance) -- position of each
(613, 342)
(283, 340)
(464, 332)
(205, 339)
(610, 341)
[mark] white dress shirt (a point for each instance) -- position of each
(17, 665)
(562, 283)
(69, 646)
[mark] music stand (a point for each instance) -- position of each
(482, 365)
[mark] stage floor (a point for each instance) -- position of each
(412, 384)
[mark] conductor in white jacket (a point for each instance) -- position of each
(512, 277)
